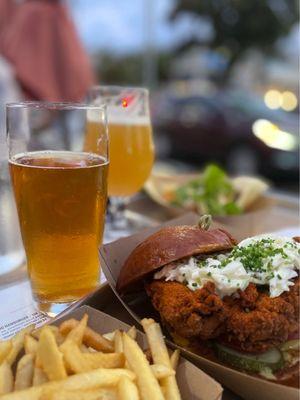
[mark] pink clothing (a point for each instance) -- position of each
(42, 45)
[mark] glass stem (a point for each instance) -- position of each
(116, 211)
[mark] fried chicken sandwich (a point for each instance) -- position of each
(240, 301)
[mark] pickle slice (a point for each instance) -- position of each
(291, 345)
(254, 363)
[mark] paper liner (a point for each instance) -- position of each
(112, 258)
(193, 383)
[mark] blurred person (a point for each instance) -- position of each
(41, 58)
(11, 249)
(40, 41)
(7, 8)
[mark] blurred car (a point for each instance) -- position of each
(232, 128)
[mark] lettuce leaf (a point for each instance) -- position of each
(211, 193)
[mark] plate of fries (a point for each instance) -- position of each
(71, 360)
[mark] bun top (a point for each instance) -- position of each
(168, 245)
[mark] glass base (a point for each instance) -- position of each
(53, 309)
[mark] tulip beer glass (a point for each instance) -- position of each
(61, 191)
(131, 147)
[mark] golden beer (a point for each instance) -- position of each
(61, 201)
(131, 154)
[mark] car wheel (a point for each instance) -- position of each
(242, 160)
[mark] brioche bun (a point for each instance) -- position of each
(168, 245)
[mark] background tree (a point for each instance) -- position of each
(128, 69)
(239, 25)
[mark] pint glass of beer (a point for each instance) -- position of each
(131, 150)
(60, 187)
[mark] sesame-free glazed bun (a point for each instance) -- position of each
(168, 245)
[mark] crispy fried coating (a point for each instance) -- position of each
(292, 297)
(251, 321)
(257, 326)
(249, 296)
(190, 314)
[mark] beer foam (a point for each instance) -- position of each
(118, 115)
(128, 120)
(53, 159)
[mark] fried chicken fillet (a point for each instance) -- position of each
(251, 322)
(256, 322)
(190, 314)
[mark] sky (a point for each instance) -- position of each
(121, 26)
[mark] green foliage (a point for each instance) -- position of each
(211, 193)
(243, 24)
(128, 69)
(164, 61)
(125, 69)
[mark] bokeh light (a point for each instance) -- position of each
(272, 136)
(289, 101)
(273, 99)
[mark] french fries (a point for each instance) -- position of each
(6, 378)
(17, 344)
(127, 390)
(36, 333)
(132, 332)
(24, 373)
(30, 345)
(104, 360)
(161, 371)
(39, 376)
(5, 348)
(148, 385)
(175, 359)
(160, 355)
(98, 394)
(73, 362)
(73, 357)
(118, 342)
(89, 380)
(84, 349)
(76, 334)
(109, 336)
(90, 337)
(77, 361)
(50, 357)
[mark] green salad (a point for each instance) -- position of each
(211, 193)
